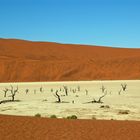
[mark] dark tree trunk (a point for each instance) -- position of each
(59, 100)
(5, 94)
(13, 97)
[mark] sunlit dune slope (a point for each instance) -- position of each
(44, 61)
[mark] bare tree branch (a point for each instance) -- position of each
(103, 88)
(5, 92)
(124, 86)
(97, 101)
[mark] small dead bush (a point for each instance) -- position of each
(93, 118)
(124, 112)
(37, 115)
(72, 117)
(53, 116)
(105, 106)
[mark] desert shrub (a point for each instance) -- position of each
(93, 118)
(72, 117)
(53, 116)
(124, 112)
(37, 115)
(112, 119)
(104, 106)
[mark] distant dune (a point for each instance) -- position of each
(44, 61)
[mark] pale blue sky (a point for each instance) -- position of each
(95, 22)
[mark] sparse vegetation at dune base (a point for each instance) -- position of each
(38, 115)
(117, 100)
(72, 117)
(53, 116)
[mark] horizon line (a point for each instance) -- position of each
(78, 44)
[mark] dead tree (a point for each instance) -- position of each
(5, 91)
(66, 90)
(119, 92)
(27, 90)
(60, 89)
(74, 90)
(34, 91)
(13, 92)
(103, 89)
(86, 92)
(97, 101)
(124, 86)
(78, 88)
(41, 89)
(57, 96)
(51, 90)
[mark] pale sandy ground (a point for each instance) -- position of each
(44, 102)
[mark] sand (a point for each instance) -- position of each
(44, 102)
(31, 128)
(27, 61)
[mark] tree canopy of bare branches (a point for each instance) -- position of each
(124, 86)
(13, 92)
(97, 101)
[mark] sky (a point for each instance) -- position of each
(93, 22)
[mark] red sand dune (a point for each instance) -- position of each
(31, 128)
(44, 61)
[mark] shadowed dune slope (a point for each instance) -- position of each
(31, 128)
(45, 61)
